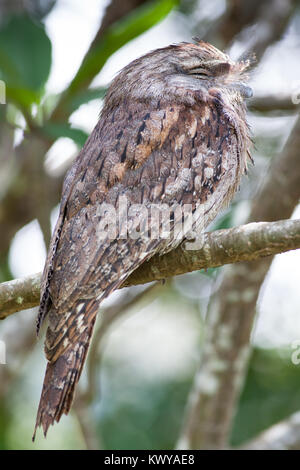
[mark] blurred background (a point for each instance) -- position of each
(56, 59)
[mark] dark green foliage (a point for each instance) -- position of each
(270, 395)
(25, 59)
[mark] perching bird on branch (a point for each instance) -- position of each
(172, 133)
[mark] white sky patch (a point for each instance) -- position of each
(87, 115)
(54, 217)
(27, 252)
(71, 26)
(62, 151)
(170, 30)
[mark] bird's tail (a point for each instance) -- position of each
(60, 381)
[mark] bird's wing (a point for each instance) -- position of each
(172, 154)
(71, 177)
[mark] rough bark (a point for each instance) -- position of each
(247, 242)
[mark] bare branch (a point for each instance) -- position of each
(280, 192)
(244, 243)
(257, 24)
(282, 436)
(273, 104)
(86, 424)
(19, 294)
(269, 25)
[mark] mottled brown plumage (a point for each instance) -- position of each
(172, 130)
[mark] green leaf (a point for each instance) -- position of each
(55, 131)
(270, 394)
(85, 96)
(25, 59)
(121, 32)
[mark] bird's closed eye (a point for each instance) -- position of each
(199, 72)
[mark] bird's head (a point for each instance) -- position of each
(209, 67)
(174, 70)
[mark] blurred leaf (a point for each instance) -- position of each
(56, 131)
(86, 96)
(210, 272)
(150, 420)
(25, 59)
(270, 145)
(224, 220)
(121, 32)
(271, 393)
(5, 420)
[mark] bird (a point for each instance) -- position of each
(172, 132)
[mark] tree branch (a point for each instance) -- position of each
(257, 24)
(282, 436)
(244, 243)
(273, 104)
